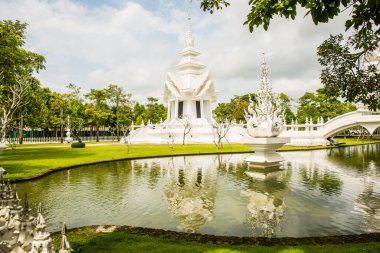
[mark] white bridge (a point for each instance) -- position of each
(316, 133)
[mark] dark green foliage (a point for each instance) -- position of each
(78, 145)
(344, 71)
(234, 110)
(324, 103)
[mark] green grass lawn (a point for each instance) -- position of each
(86, 240)
(32, 159)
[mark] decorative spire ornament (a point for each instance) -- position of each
(65, 244)
(42, 241)
(266, 117)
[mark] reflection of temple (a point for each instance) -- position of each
(266, 200)
(191, 185)
(191, 192)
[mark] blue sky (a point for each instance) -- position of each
(93, 43)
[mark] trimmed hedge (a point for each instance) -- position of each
(78, 145)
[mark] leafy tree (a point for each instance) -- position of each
(154, 112)
(234, 110)
(75, 109)
(340, 60)
(289, 115)
(138, 113)
(17, 66)
(324, 103)
(355, 82)
(97, 111)
(120, 105)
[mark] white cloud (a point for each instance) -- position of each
(133, 45)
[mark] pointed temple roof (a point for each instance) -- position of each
(192, 77)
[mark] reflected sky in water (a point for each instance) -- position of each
(317, 193)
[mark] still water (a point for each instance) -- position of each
(317, 193)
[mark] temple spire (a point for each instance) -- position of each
(189, 35)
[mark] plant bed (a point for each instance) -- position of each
(78, 145)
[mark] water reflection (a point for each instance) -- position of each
(191, 191)
(316, 193)
(266, 205)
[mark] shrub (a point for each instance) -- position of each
(78, 145)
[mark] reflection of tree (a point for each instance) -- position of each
(326, 181)
(357, 158)
(266, 200)
(369, 202)
(191, 194)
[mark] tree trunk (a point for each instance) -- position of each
(97, 132)
(21, 130)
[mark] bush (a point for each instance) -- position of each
(78, 145)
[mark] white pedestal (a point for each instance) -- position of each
(265, 155)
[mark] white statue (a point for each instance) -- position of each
(266, 117)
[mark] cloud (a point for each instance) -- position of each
(133, 44)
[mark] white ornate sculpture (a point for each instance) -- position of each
(68, 138)
(266, 118)
(19, 231)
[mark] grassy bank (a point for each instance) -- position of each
(27, 161)
(87, 240)
(30, 160)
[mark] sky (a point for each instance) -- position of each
(93, 43)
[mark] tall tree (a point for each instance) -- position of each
(120, 104)
(138, 113)
(339, 59)
(75, 109)
(155, 112)
(286, 103)
(17, 66)
(97, 110)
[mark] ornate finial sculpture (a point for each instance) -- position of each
(65, 245)
(41, 240)
(68, 138)
(266, 117)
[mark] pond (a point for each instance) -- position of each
(317, 193)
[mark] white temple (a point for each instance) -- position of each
(189, 92)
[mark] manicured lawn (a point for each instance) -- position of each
(86, 240)
(31, 159)
(27, 160)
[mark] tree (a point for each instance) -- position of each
(234, 110)
(138, 113)
(285, 101)
(154, 112)
(119, 101)
(17, 66)
(220, 130)
(75, 109)
(324, 103)
(97, 110)
(185, 122)
(340, 61)
(350, 73)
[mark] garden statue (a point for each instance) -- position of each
(265, 121)
(266, 117)
(68, 138)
